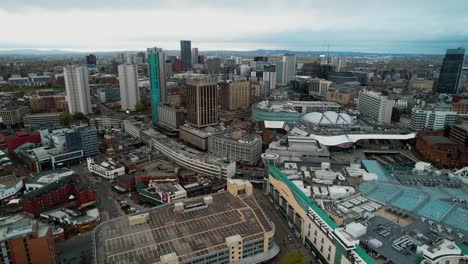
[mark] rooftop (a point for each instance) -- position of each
(438, 140)
(188, 234)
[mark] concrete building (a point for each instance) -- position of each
(341, 94)
(319, 87)
(184, 156)
(77, 89)
(450, 72)
(128, 82)
(157, 78)
(195, 137)
(12, 116)
(234, 99)
(23, 240)
(375, 106)
(289, 69)
(186, 53)
(431, 119)
(171, 117)
(107, 169)
(42, 118)
(194, 56)
(269, 75)
(230, 229)
(202, 101)
(299, 148)
(234, 145)
(213, 65)
(327, 242)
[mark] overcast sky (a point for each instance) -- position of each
(398, 26)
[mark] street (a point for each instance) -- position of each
(282, 229)
(77, 250)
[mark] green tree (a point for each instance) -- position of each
(66, 118)
(79, 116)
(140, 107)
(293, 257)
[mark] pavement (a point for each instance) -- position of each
(282, 230)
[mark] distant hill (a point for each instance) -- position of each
(259, 52)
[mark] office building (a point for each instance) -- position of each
(459, 134)
(129, 91)
(237, 146)
(450, 72)
(431, 119)
(171, 117)
(195, 56)
(289, 68)
(342, 77)
(157, 78)
(91, 61)
(461, 106)
(341, 94)
(41, 119)
(270, 76)
(107, 169)
(234, 99)
(77, 89)
(202, 101)
(376, 106)
(319, 87)
(23, 240)
(13, 115)
(228, 227)
(213, 65)
(186, 53)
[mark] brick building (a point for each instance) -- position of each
(68, 192)
(23, 240)
(441, 151)
(48, 103)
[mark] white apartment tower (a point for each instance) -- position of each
(77, 89)
(289, 69)
(128, 82)
(375, 106)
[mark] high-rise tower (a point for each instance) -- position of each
(77, 88)
(202, 101)
(157, 78)
(186, 53)
(128, 82)
(450, 71)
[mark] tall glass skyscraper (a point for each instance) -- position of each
(156, 69)
(450, 71)
(186, 53)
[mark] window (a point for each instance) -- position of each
(321, 248)
(329, 248)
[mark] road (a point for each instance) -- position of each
(77, 250)
(282, 229)
(106, 198)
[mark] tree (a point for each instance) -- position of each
(79, 116)
(140, 107)
(65, 118)
(293, 257)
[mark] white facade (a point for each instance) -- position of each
(289, 68)
(429, 119)
(105, 169)
(128, 82)
(375, 106)
(270, 77)
(77, 89)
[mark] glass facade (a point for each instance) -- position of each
(450, 71)
(155, 60)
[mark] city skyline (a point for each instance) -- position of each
(361, 26)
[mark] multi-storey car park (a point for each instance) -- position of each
(224, 228)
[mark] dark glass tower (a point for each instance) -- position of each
(186, 53)
(450, 71)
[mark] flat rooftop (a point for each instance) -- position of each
(188, 234)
